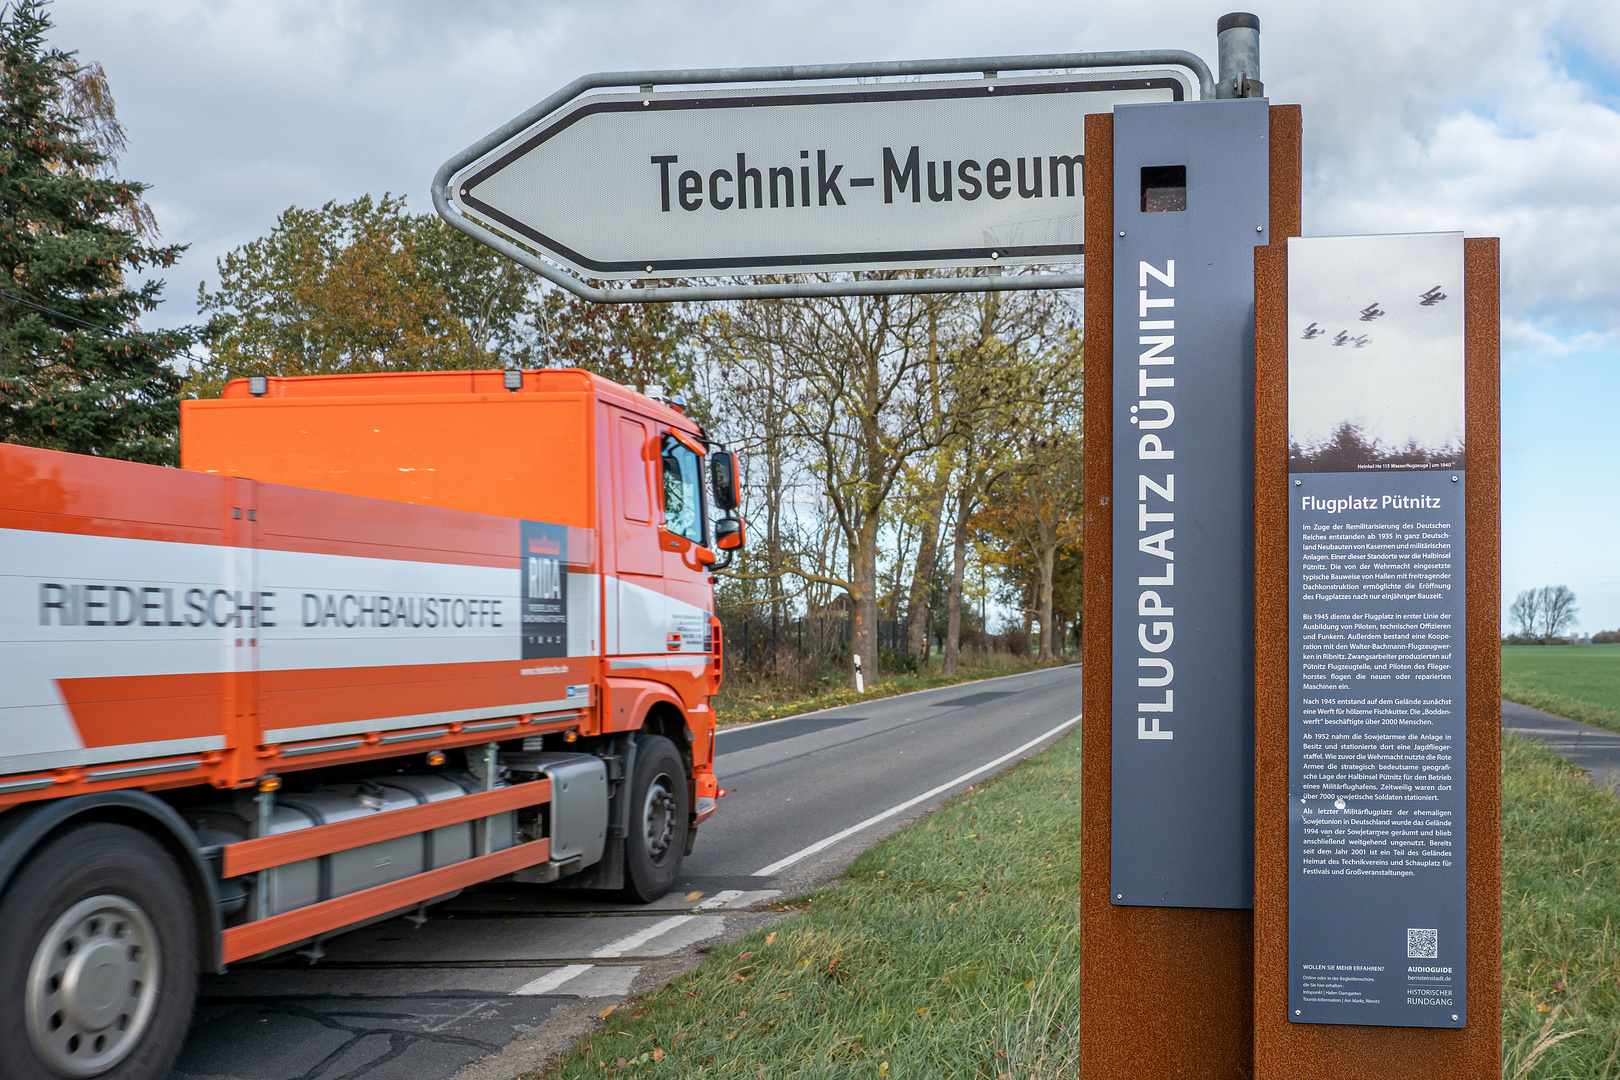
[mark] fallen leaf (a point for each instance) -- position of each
(695, 894)
(770, 937)
(922, 1010)
(621, 1063)
(1542, 1008)
(1030, 985)
(733, 1035)
(883, 1068)
(605, 1013)
(745, 956)
(657, 1054)
(676, 1045)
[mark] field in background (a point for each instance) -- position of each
(1560, 917)
(746, 697)
(1581, 682)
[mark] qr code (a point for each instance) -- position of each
(1422, 944)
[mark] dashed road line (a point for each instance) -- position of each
(642, 936)
(548, 982)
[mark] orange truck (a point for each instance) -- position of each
(380, 638)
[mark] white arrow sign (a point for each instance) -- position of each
(772, 180)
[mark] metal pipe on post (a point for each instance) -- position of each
(1237, 43)
(486, 768)
(264, 901)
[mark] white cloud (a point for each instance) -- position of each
(1493, 116)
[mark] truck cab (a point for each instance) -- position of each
(381, 638)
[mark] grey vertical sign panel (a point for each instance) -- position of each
(1377, 902)
(1191, 201)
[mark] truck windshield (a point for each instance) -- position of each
(683, 492)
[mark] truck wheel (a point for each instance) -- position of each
(658, 820)
(98, 959)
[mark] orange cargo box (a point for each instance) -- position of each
(208, 627)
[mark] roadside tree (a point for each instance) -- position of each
(1557, 609)
(1540, 616)
(76, 371)
(869, 389)
(340, 289)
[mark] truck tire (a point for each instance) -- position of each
(98, 959)
(658, 820)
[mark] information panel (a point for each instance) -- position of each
(1376, 894)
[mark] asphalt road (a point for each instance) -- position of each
(495, 980)
(1592, 748)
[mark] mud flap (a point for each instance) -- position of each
(609, 873)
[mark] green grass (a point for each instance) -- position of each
(950, 949)
(747, 701)
(1578, 681)
(1560, 919)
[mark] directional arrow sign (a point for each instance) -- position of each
(850, 177)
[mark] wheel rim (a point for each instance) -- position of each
(92, 986)
(658, 816)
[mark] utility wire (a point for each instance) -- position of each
(25, 302)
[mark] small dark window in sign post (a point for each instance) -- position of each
(1164, 187)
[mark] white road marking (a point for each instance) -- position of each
(821, 845)
(606, 981)
(737, 898)
(641, 937)
(442, 1025)
(548, 982)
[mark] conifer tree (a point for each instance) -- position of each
(76, 373)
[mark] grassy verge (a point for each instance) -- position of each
(1578, 681)
(1560, 919)
(950, 949)
(746, 701)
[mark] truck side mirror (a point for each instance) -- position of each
(729, 534)
(724, 480)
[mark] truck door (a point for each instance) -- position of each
(636, 590)
(684, 544)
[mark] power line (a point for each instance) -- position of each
(25, 302)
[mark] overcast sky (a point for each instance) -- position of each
(1497, 118)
